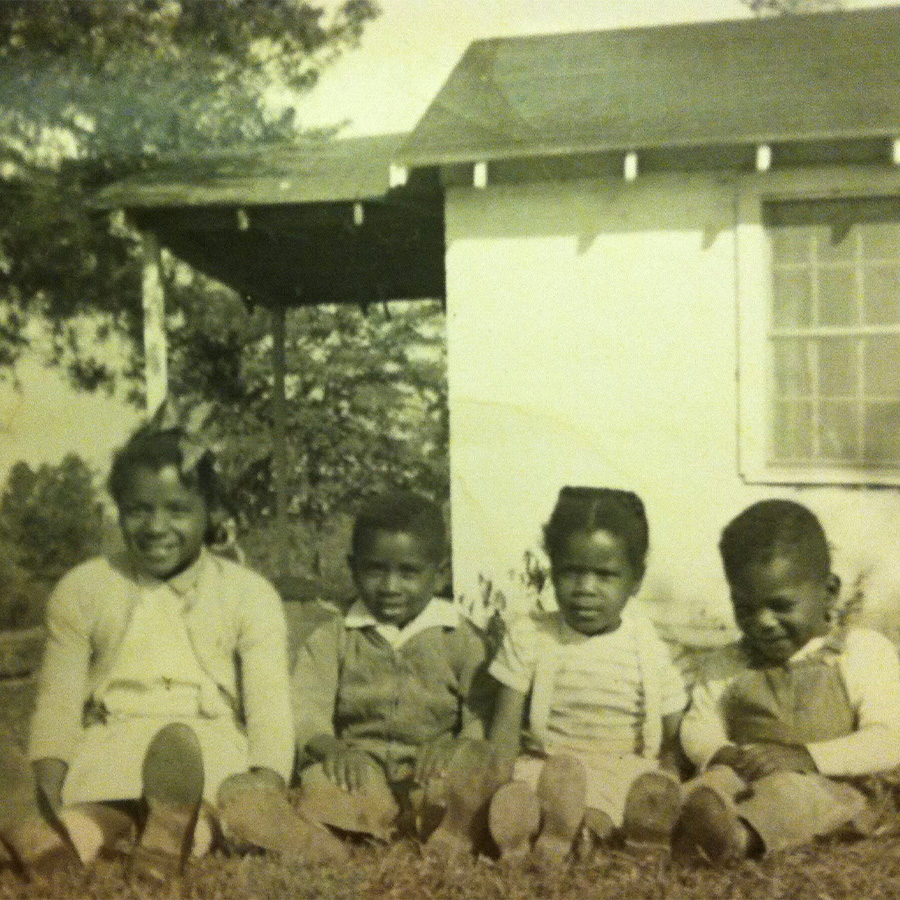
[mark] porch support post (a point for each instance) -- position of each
(279, 434)
(154, 306)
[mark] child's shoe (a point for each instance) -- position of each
(709, 826)
(173, 790)
(471, 779)
(36, 845)
(514, 818)
(561, 792)
(651, 809)
(257, 813)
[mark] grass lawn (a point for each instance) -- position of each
(831, 870)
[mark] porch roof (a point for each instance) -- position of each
(317, 222)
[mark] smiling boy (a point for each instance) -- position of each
(809, 708)
(388, 698)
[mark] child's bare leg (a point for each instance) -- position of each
(514, 819)
(651, 809)
(173, 790)
(561, 790)
(255, 812)
(472, 778)
(29, 831)
(93, 827)
(373, 810)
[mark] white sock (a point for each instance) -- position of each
(85, 833)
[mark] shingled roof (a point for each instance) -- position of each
(821, 77)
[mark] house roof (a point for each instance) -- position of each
(293, 225)
(825, 77)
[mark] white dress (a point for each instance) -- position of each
(156, 680)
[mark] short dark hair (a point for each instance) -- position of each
(402, 512)
(589, 509)
(772, 528)
(152, 449)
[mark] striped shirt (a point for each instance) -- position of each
(597, 693)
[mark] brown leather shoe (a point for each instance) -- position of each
(708, 826)
(257, 814)
(561, 792)
(651, 809)
(472, 778)
(173, 790)
(514, 818)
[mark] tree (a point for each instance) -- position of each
(121, 81)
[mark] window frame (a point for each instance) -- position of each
(754, 296)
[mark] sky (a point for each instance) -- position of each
(385, 85)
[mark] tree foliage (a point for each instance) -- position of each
(50, 520)
(762, 7)
(124, 81)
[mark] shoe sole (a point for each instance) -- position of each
(173, 790)
(514, 818)
(561, 793)
(652, 808)
(708, 827)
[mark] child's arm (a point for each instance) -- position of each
(506, 728)
(871, 670)
(702, 731)
(62, 682)
(670, 755)
(265, 692)
(315, 682)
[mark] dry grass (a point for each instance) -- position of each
(831, 870)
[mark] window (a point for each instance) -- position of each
(821, 395)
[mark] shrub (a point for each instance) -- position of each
(50, 520)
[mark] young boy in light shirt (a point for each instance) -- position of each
(788, 742)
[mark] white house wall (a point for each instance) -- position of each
(592, 336)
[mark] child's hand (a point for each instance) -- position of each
(434, 759)
(347, 766)
(765, 759)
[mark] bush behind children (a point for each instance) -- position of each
(167, 721)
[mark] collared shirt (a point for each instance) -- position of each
(391, 690)
(234, 622)
(870, 668)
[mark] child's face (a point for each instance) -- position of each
(779, 606)
(163, 522)
(396, 574)
(593, 580)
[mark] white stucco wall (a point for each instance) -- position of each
(592, 330)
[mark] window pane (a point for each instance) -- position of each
(791, 244)
(837, 367)
(882, 430)
(881, 290)
(792, 306)
(837, 296)
(882, 367)
(834, 242)
(880, 240)
(793, 368)
(792, 437)
(838, 430)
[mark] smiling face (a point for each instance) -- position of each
(396, 574)
(163, 522)
(593, 580)
(780, 605)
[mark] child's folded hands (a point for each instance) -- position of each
(755, 761)
(434, 759)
